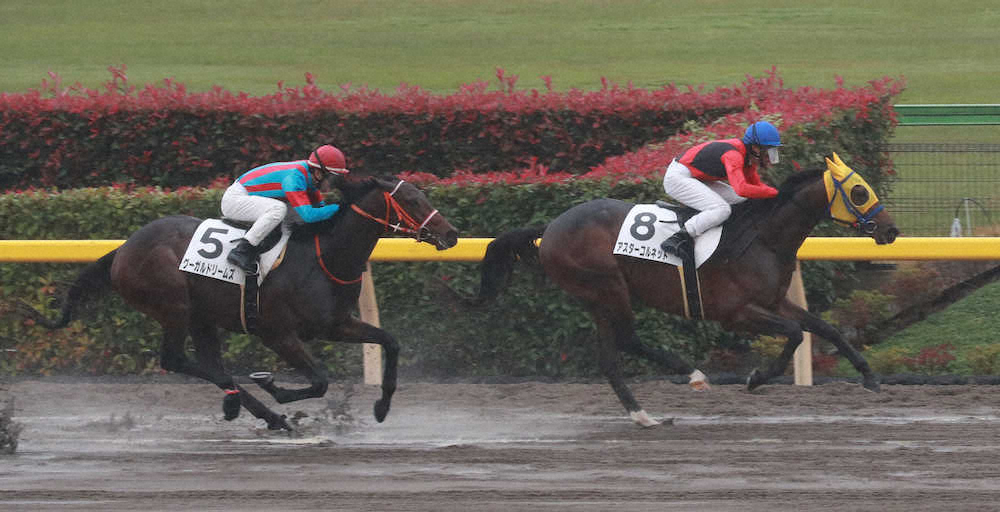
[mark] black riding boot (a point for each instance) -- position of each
(244, 256)
(677, 242)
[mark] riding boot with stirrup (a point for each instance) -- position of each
(244, 256)
(678, 241)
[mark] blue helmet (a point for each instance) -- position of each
(762, 133)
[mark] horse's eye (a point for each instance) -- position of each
(859, 195)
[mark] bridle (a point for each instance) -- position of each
(866, 223)
(405, 222)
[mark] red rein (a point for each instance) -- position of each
(390, 205)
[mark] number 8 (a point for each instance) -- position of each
(645, 220)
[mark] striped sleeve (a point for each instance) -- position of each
(298, 194)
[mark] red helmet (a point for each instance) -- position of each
(330, 159)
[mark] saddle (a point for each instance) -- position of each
(736, 237)
(267, 243)
(683, 212)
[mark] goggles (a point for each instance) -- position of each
(772, 154)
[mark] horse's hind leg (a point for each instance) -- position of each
(672, 362)
(609, 359)
(290, 348)
(173, 359)
(208, 354)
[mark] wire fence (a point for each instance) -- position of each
(946, 189)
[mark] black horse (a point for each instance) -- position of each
(743, 284)
(310, 295)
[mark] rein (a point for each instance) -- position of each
(391, 206)
(329, 275)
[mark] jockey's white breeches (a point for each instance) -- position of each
(265, 213)
(711, 199)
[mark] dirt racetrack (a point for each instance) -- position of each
(161, 444)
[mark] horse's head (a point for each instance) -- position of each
(402, 207)
(852, 202)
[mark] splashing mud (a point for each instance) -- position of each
(90, 444)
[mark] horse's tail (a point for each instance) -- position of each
(93, 281)
(501, 254)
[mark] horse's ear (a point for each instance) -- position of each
(383, 182)
(837, 167)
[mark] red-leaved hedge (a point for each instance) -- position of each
(164, 135)
(814, 122)
(854, 122)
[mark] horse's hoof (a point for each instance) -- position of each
(872, 384)
(700, 386)
(643, 419)
(699, 381)
(262, 378)
(278, 422)
(754, 380)
(231, 406)
(381, 410)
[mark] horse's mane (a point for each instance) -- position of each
(749, 214)
(756, 207)
(350, 194)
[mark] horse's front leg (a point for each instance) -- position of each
(352, 330)
(209, 367)
(817, 326)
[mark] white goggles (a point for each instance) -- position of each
(332, 170)
(772, 155)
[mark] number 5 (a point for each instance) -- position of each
(207, 239)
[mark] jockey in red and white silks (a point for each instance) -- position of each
(698, 178)
(263, 195)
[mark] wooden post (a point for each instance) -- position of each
(368, 307)
(803, 355)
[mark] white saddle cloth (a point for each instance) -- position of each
(646, 226)
(211, 243)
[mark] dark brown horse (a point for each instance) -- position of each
(309, 296)
(743, 284)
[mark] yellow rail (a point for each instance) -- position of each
(473, 249)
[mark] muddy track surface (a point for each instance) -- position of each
(161, 444)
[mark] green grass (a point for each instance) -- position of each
(965, 325)
(948, 55)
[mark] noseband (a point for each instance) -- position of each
(405, 222)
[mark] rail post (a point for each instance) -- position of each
(368, 308)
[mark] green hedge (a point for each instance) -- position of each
(534, 328)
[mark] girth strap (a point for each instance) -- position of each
(250, 303)
(690, 285)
